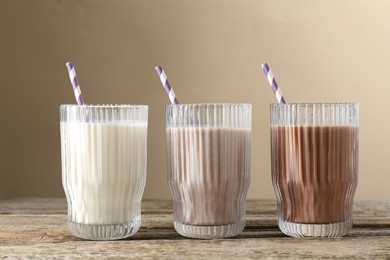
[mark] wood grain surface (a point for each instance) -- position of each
(36, 228)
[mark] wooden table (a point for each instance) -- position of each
(36, 228)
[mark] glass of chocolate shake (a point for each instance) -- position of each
(209, 153)
(314, 154)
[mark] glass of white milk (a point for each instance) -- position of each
(103, 152)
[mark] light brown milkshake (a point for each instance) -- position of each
(209, 172)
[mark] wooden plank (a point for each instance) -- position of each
(36, 228)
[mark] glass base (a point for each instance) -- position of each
(315, 230)
(104, 232)
(209, 232)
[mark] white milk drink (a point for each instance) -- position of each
(104, 174)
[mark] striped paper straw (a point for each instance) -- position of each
(272, 82)
(75, 83)
(166, 85)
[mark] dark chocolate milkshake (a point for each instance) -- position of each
(314, 172)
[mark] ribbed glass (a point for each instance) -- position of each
(209, 153)
(314, 153)
(103, 150)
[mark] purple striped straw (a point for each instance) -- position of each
(272, 82)
(166, 85)
(75, 83)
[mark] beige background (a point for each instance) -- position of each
(320, 51)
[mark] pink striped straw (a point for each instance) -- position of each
(166, 85)
(271, 80)
(75, 83)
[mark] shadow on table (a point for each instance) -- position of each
(169, 233)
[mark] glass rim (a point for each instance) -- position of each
(105, 106)
(209, 104)
(315, 104)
